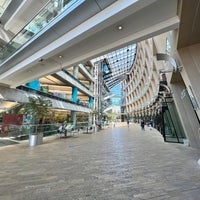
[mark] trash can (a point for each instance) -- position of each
(33, 140)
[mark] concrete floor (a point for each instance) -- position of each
(118, 163)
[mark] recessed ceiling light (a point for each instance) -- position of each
(120, 27)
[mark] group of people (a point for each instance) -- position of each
(150, 124)
(142, 123)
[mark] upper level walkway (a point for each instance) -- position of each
(69, 39)
(116, 163)
(12, 97)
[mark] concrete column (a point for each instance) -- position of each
(186, 113)
(91, 70)
(75, 72)
(73, 117)
(75, 89)
(91, 86)
(74, 94)
(90, 102)
(190, 58)
(90, 119)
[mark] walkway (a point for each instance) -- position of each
(118, 163)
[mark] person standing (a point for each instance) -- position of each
(142, 125)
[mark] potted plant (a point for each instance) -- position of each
(35, 111)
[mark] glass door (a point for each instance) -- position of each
(172, 128)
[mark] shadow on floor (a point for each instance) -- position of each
(5, 142)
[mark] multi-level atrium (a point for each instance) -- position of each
(47, 49)
(113, 68)
(74, 59)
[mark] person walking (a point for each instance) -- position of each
(128, 122)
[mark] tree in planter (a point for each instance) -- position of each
(38, 108)
(112, 117)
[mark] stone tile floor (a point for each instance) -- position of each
(117, 163)
(7, 141)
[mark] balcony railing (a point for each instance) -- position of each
(39, 24)
(49, 95)
(21, 132)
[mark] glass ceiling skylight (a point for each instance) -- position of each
(117, 64)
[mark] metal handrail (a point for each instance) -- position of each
(39, 22)
(49, 95)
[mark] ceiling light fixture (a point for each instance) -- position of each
(120, 27)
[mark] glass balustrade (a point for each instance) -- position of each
(45, 16)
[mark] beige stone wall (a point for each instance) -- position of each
(187, 115)
(190, 80)
(190, 57)
(144, 78)
(142, 88)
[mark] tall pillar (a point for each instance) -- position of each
(90, 102)
(73, 117)
(91, 70)
(186, 112)
(90, 119)
(75, 89)
(91, 86)
(75, 71)
(74, 94)
(91, 98)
